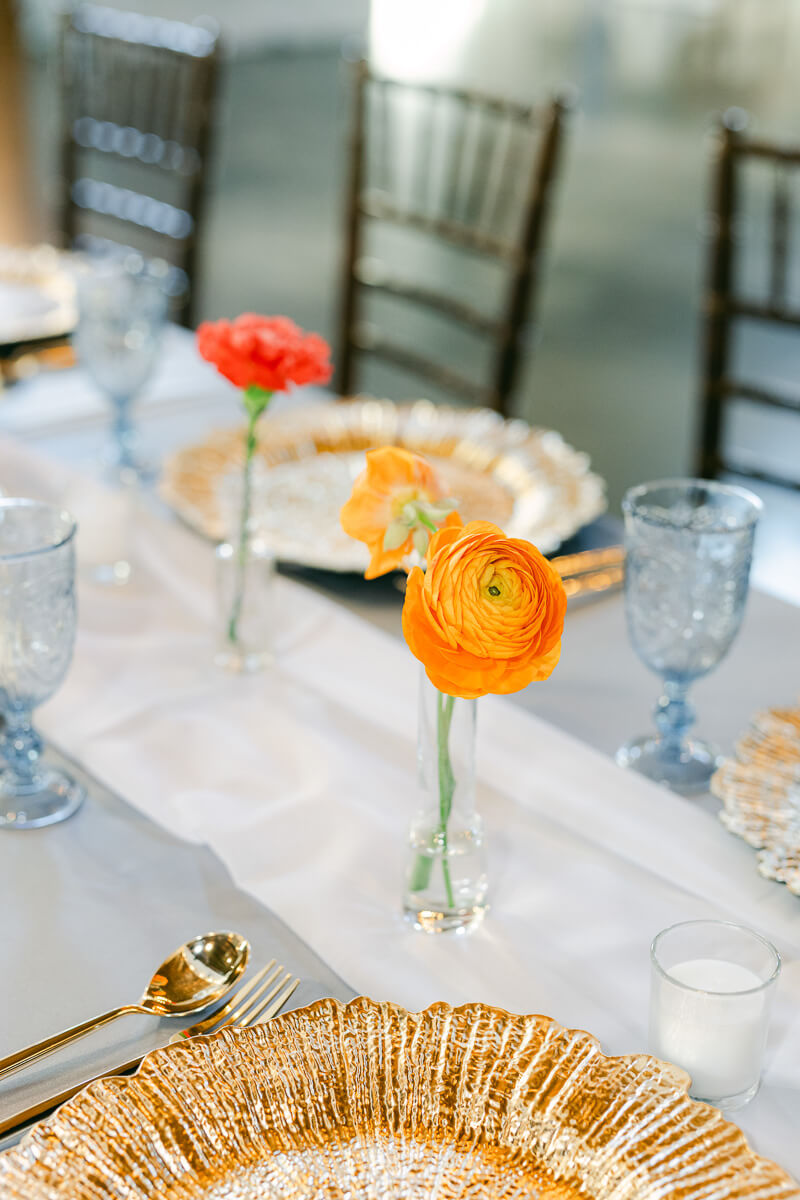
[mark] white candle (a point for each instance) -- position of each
(714, 1026)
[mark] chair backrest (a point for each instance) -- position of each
(730, 304)
(138, 98)
(461, 170)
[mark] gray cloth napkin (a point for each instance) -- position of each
(92, 907)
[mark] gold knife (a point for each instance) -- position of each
(591, 572)
(594, 582)
(41, 1106)
(568, 565)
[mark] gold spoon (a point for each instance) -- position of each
(194, 977)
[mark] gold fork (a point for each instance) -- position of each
(249, 1006)
(248, 1003)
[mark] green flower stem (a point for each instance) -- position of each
(447, 782)
(255, 402)
(423, 866)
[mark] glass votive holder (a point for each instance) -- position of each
(711, 988)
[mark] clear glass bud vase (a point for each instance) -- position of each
(446, 883)
(245, 605)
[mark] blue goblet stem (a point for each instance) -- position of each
(674, 716)
(21, 749)
(124, 436)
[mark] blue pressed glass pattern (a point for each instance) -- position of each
(37, 634)
(689, 545)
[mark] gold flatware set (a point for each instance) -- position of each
(590, 572)
(196, 976)
(29, 361)
(584, 573)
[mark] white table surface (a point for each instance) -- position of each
(301, 781)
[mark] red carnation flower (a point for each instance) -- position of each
(266, 352)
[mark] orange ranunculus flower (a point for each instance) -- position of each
(394, 506)
(271, 353)
(488, 613)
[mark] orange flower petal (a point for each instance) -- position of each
(393, 477)
(383, 561)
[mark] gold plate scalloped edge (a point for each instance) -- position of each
(524, 461)
(520, 1105)
(756, 786)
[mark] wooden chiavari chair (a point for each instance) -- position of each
(138, 98)
(728, 305)
(471, 171)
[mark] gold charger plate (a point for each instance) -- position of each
(528, 481)
(760, 790)
(369, 1100)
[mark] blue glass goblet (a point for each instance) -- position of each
(123, 305)
(37, 618)
(689, 543)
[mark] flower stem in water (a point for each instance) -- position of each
(447, 783)
(244, 521)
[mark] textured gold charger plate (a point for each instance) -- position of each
(367, 1100)
(528, 481)
(37, 294)
(760, 790)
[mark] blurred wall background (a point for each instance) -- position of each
(615, 354)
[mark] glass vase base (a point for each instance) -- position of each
(243, 662)
(453, 920)
(56, 797)
(687, 773)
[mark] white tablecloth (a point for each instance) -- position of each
(302, 780)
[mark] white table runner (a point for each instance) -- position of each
(302, 780)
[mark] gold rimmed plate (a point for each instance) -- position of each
(528, 481)
(366, 1099)
(37, 295)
